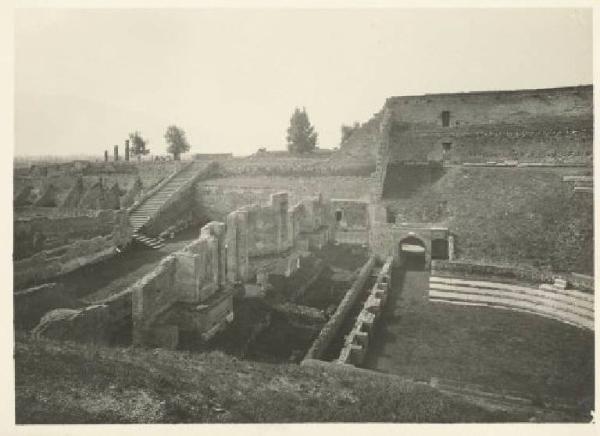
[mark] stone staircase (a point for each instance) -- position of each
(142, 213)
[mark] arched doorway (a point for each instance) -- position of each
(439, 249)
(411, 251)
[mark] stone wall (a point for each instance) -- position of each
(351, 220)
(35, 234)
(356, 343)
(218, 197)
(331, 329)
(186, 292)
(544, 124)
(88, 239)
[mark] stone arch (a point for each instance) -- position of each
(413, 252)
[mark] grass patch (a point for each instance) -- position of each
(69, 383)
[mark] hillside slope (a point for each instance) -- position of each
(69, 383)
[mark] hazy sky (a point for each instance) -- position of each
(231, 78)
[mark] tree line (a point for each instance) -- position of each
(301, 137)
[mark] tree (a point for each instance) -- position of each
(138, 145)
(301, 136)
(347, 131)
(177, 141)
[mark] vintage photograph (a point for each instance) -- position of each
(306, 215)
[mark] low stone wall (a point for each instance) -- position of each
(568, 306)
(51, 263)
(357, 341)
(331, 329)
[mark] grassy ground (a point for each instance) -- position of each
(508, 215)
(500, 350)
(68, 383)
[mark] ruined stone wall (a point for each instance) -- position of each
(92, 239)
(331, 329)
(35, 234)
(185, 292)
(218, 197)
(356, 343)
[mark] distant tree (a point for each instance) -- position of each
(347, 131)
(301, 136)
(177, 142)
(138, 145)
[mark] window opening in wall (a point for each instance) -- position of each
(445, 118)
(447, 146)
(338, 215)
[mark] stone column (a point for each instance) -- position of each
(105, 155)
(279, 203)
(242, 241)
(218, 231)
(450, 247)
(231, 248)
(116, 153)
(127, 149)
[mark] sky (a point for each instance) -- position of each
(231, 79)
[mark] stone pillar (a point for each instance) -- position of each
(116, 152)
(231, 248)
(218, 230)
(127, 149)
(450, 247)
(279, 203)
(105, 155)
(243, 262)
(252, 210)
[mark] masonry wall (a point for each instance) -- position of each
(539, 125)
(218, 197)
(35, 234)
(168, 299)
(47, 263)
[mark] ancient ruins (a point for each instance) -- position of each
(467, 209)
